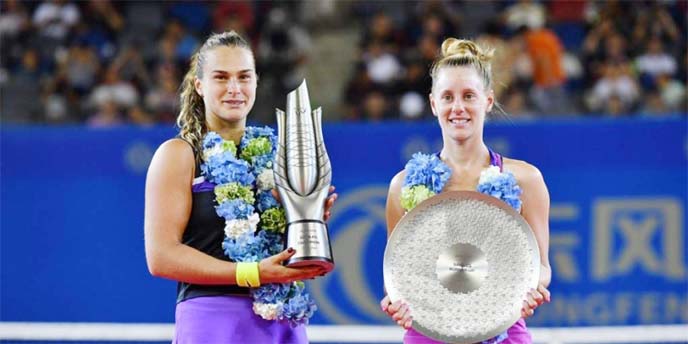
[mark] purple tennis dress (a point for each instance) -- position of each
(516, 334)
(228, 320)
(220, 314)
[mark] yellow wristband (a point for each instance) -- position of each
(247, 275)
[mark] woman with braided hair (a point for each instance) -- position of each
(460, 98)
(212, 222)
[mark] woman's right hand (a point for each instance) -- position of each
(271, 269)
(398, 310)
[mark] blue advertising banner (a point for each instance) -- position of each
(71, 220)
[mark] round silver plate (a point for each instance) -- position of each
(463, 262)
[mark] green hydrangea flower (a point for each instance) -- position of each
(411, 197)
(274, 220)
(233, 191)
(229, 146)
(256, 147)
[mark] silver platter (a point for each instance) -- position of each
(463, 262)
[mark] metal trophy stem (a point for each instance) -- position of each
(303, 175)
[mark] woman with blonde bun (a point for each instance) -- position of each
(460, 98)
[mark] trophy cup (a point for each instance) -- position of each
(303, 175)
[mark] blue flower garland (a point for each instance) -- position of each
(244, 211)
(426, 176)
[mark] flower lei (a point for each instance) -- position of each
(254, 222)
(426, 176)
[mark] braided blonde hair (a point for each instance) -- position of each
(191, 119)
(462, 52)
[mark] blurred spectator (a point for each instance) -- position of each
(382, 67)
(13, 19)
(502, 68)
(375, 107)
(283, 50)
(515, 104)
(234, 15)
(672, 91)
(546, 53)
(114, 90)
(131, 67)
(54, 19)
(653, 104)
(653, 21)
(655, 61)
(525, 13)
(20, 94)
(616, 90)
(14, 35)
(137, 115)
(107, 114)
(162, 99)
(193, 15)
(81, 68)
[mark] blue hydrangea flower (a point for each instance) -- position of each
(299, 308)
(271, 293)
(428, 170)
(253, 132)
(245, 248)
(502, 186)
(225, 168)
(211, 139)
(266, 201)
(234, 209)
(262, 162)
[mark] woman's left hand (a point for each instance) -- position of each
(534, 299)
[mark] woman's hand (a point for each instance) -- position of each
(329, 203)
(398, 310)
(271, 269)
(534, 299)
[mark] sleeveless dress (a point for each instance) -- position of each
(516, 334)
(212, 314)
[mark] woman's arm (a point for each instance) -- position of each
(398, 310)
(535, 210)
(167, 211)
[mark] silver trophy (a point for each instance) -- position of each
(463, 262)
(303, 175)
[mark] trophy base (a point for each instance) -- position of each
(312, 244)
(322, 262)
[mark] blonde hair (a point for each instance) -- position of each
(191, 119)
(462, 52)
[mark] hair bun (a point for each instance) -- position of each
(452, 47)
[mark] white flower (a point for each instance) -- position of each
(235, 228)
(267, 311)
(253, 221)
(215, 150)
(266, 180)
(489, 174)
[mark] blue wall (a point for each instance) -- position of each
(71, 227)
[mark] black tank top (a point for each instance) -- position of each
(205, 232)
